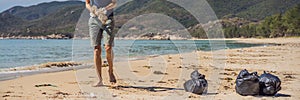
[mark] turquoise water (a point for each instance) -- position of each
(18, 53)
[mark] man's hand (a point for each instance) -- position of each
(101, 13)
(93, 9)
(104, 10)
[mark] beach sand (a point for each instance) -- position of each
(162, 77)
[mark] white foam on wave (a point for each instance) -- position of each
(10, 74)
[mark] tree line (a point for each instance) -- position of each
(285, 24)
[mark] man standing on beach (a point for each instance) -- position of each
(101, 25)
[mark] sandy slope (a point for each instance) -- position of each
(161, 77)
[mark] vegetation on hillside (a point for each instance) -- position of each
(42, 19)
(279, 25)
(240, 18)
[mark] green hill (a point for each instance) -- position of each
(41, 19)
(61, 17)
(40, 10)
(267, 8)
(249, 9)
(62, 21)
(139, 7)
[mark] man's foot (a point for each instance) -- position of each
(112, 79)
(99, 84)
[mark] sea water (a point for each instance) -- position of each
(19, 53)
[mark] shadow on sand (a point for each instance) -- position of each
(153, 89)
(276, 95)
(282, 95)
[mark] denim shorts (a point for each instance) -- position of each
(98, 31)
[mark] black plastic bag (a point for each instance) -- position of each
(269, 84)
(197, 84)
(247, 83)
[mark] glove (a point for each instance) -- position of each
(101, 13)
(104, 10)
(93, 11)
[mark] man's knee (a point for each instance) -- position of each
(108, 48)
(97, 50)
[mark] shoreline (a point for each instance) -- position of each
(47, 67)
(50, 67)
(35, 69)
(280, 60)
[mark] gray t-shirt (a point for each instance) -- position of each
(102, 3)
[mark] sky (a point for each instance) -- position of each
(6, 4)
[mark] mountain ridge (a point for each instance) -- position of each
(61, 17)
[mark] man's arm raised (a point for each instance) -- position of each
(87, 5)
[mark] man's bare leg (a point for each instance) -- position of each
(98, 64)
(109, 57)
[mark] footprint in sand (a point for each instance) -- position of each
(290, 77)
(72, 82)
(228, 79)
(147, 67)
(5, 95)
(161, 82)
(229, 69)
(141, 81)
(9, 92)
(229, 74)
(62, 93)
(159, 73)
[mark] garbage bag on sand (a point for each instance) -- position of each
(197, 84)
(269, 84)
(247, 83)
